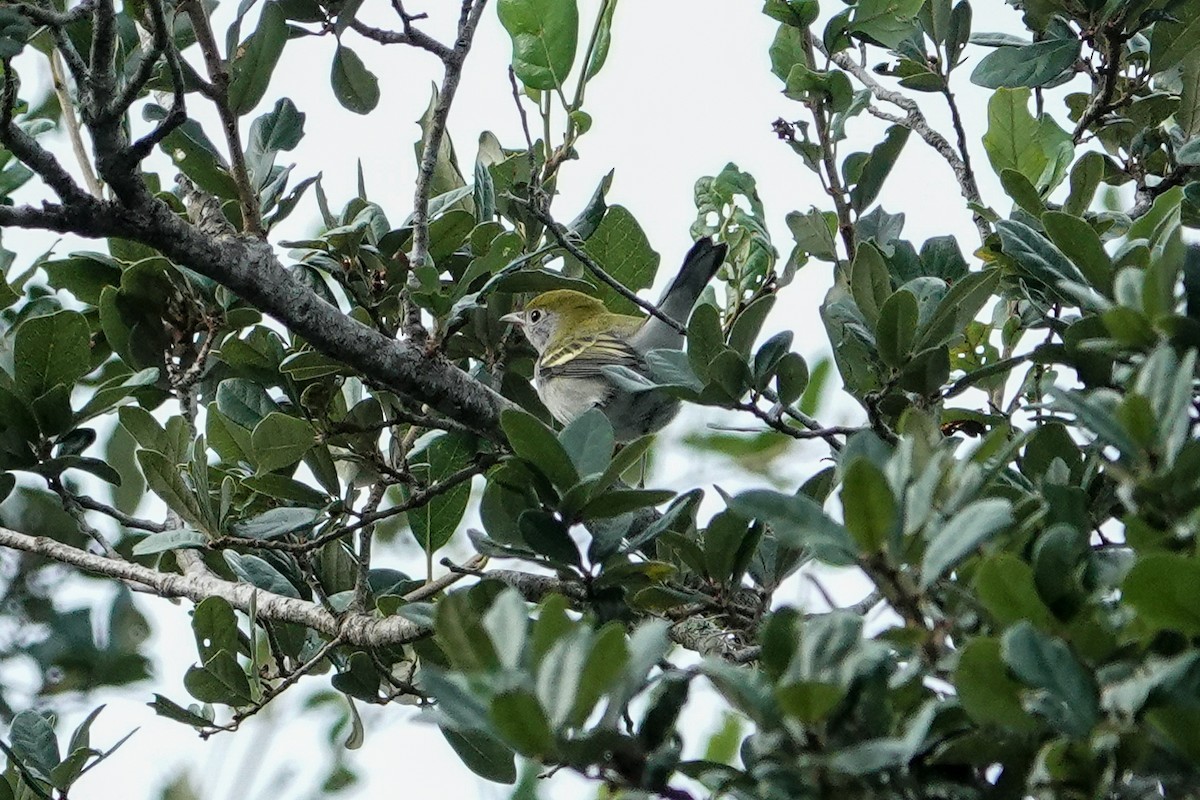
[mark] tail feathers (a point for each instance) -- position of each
(699, 266)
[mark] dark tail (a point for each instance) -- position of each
(699, 266)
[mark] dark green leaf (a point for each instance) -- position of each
(251, 68)
(544, 35)
(354, 86)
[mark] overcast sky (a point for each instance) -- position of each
(687, 88)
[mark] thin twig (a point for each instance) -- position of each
(565, 242)
(75, 509)
(71, 122)
(773, 420)
(437, 585)
(410, 37)
(472, 11)
(218, 74)
(120, 516)
(914, 120)
(416, 500)
(818, 107)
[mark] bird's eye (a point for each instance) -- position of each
(534, 316)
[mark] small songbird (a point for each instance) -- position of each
(576, 336)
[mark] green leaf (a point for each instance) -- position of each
(280, 440)
(1036, 256)
(32, 739)
(961, 535)
(520, 720)
(986, 691)
(799, 522)
(275, 523)
(279, 129)
(877, 167)
(897, 328)
(1172, 42)
(1079, 242)
(251, 69)
(1005, 586)
(1029, 65)
(868, 506)
(215, 627)
(354, 86)
(261, 573)
(588, 440)
(84, 275)
(483, 755)
(178, 539)
(220, 680)
(436, 521)
(112, 392)
(548, 536)
(458, 626)
(615, 502)
(1161, 587)
(1085, 177)
(603, 39)
(796, 13)
(544, 36)
(888, 22)
(1014, 137)
(165, 707)
(870, 282)
(605, 662)
(48, 351)
(1068, 699)
(1022, 191)
(537, 444)
(163, 478)
(620, 246)
(705, 340)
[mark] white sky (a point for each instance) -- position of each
(687, 88)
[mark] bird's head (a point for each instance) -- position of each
(558, 313)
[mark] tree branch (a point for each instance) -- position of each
(410, 36)
(472, 10)
(250, 269)
(218, 75)
(564, 241)
(915, 121)
(71, 123)
(364, 630)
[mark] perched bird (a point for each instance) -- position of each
(576, 336)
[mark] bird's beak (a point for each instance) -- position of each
(515, 318)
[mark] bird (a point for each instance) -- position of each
(576, 337)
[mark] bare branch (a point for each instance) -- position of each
(915, 121)
(250, 269)
(412, 37)
(472, 11)
(120, 516)
(364, 630)
(71, 122)
(28, 151)
(218, 75)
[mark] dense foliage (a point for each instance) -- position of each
(1024, 497)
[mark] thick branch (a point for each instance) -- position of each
(250, 269)
(363, 630)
